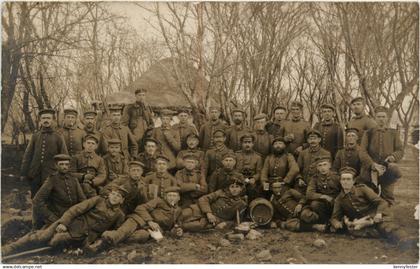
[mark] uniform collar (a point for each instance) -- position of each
(327, 123)
(116, 125)
(88, 154)
(315, 149)
(214, 123)
(260, 132)
(359, 116)
(161, 175)
(70, 128)
(220, 148)
(296, 120)
(350, 148)
(46, 130)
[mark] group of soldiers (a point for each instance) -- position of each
(130, 179)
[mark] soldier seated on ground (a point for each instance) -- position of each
(321, 192)
(159, 214)
(81, 224)
(220, 178)
(192, 148)
(218, 209)
(115, 162)
(59, 192)
(359, 202)
(192, 183)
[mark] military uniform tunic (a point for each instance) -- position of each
(281, 168)
(137, 117)
(183, 131)
(213, 159)
(323, 185)
(157, 182)
(363, 123)
(206, 133)
(187, 181)
(170, 143)
(115, 166)
(286, 202)
(220, 179)
(262, 143)
(299, 129)
(129, 146)
(332, 136)
(222, 204)
(234, 134)
(249, 164)
(306, 161)
(348, 156)
(83, 160)
(149, 162)
(199, 154)
(73, 137)
(275, 128)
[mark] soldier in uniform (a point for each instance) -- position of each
(262, 137)
(158, 181)
(214, 156)
(89, 120)
(148, 157)
(115, 162)
(192, 149)
(234, 132)
(82, 224)
(384, 148)
(295, 130)
(332, 133)
(275, 127)
(208, 128)
(159, 214)
(73, 135)
(168, 137)
(322, 190)
(115, 130)
(88, 158)
(360, 121)
(249, 163)
(359, 201)
(306, 159)
(59, 192)
(138, 116)
(279, 166)
(220, 178)
(184, 128)
(38, 162)
(192, 183)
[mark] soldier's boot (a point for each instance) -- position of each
(293, 225)
(122, 233)
(195, 226)
(309, 216)
(139, 236)
(394, 234)
(387, 192)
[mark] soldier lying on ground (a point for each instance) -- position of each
(82, 224)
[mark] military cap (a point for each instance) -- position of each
(190, 157)
(70, 111)
(381, 109)
(358, 98)
(140, 90)
(238, 110)
(236, 179)
(162, 157)
(260, 116)
(119, 188)
(315, 132)
(329, 106)
(90, 137)
(192, 135)
(280, 107)
(172, 189)
(136, 163)
(62, 157)
(46, 111)
(229, 154)
(278, 138)
(247, 135)
(183, 110)
(322, 158)
(352, 130)
(90, 112)
(115, 107)
(166, 112)
(296, 103)
(219, 130)
(151, 139)
(348, 170)
(114, 141)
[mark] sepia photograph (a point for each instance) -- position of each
(209, 133)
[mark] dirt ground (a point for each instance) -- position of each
(284, 246)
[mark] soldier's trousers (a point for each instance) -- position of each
(322, 210)
(387, 182)
(129, 232)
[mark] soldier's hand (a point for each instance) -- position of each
(390, 159)
(298, 208)
(197, 187)
(377, 218)
(154, 225)
(88, 177)
(337, 225)
(326, 197)
(211, 218)
(61, 228)
(301, 182)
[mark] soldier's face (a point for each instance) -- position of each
(235, 189)
(279, 146)
(190, 164)
(150, 148)
(381, 119)
(357, 107)
(166, 120)
(69, 119)
(115, 198)
(172, 198)
(314, 140)
(260, 124)
(192, 142)
(214, 114)
(347, 182)
(90, 145)
(238, 117)
(247, 144)
(296, 111)
(279, 114)
(219, 138)
(327, 114)
(183, 117)
(90, 121)
(323, 167)
(351, 138)
(114, 149)
(140, 97)
(63, 166)
(229, 163)
(135, 172)
(116, 117)
(46, 120)
(161, 166)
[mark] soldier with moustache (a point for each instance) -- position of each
(235, 131)
(73, 135)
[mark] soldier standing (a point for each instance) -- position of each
(115, 162)
(207, 129)
(295, 130)
(239, 127)
(213, 157)
(59, 192)
(73, 135)
(262, 137)
(138, 116)
(332, 133)
(38, 159)
(184, 128)
(148, 157)
(360, 121)
(384, 148)
(275, 127)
